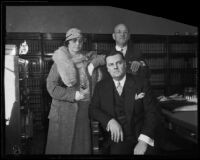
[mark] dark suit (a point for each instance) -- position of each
(142, 114)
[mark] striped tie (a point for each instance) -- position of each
(119, 88)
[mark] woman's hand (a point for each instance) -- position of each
(79, 96)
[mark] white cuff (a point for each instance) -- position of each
(90, 68)
(146, 139)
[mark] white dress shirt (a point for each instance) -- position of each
(122, 81)
(142, 137)
(118, 48)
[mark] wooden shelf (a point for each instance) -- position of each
(155, 55)
(183, 55)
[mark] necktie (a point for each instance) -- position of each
(119, 88)
(122, 50)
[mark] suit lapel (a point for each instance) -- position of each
(109, 89)
(130, 90)
(127, 55)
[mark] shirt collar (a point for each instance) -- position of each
(122, 81)
(118, 48)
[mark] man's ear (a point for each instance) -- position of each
(113, 35)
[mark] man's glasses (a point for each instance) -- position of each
(119, 32)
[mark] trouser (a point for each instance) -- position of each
(126, 148)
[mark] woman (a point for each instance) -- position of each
(70, 83)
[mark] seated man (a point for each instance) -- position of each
(125, 108)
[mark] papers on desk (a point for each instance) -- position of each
(186, 108)
(175, 97)
(175, 103)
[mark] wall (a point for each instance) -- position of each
(91, 19)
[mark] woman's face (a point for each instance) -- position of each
(75, 45)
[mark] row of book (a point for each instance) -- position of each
(38, 115)
(27, 124)
(183, 48)
(35, 99)
(183, 63)
(36, 108)
(180, 79)
(152, 47)
(102, 46)
(193, 62)
(175, 78)
(157, 79)
(156, 63)
(144, 47)
(34, 83)
(47, 65)
(34, 65)
(38, 125)
(158, 92)
(34, 46)
(51, 45)
(37, 111)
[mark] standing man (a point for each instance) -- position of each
(124, 106)
(133, 57)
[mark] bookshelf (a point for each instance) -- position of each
(172, 61)
(182, 66)
(154, 50)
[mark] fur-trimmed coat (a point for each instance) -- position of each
(62, 83)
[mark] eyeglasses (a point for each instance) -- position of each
(121, 32)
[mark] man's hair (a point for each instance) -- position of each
(114, 52)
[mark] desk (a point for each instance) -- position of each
(183, 123)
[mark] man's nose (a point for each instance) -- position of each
(115, 66)
(123, 34)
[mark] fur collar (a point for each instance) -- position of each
(66, 65)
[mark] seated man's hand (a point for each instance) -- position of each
(116, 130)
(135, 66)
(140, 148)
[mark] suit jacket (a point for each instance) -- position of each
(134, 54)
(141, 113)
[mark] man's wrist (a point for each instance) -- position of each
(146, 139)
(141, 141)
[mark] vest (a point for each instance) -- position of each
(119, 109)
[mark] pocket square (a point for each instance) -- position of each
(139, 96)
